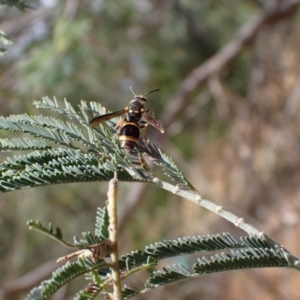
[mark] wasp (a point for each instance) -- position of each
(136, 118)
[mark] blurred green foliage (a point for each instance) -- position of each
(104, 48)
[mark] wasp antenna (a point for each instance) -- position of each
(132, 92)
(156, 90)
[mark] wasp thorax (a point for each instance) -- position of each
(134, 111)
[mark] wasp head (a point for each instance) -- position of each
(141, 98)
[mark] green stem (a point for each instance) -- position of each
(196, 198)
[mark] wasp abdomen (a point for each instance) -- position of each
(129, 135)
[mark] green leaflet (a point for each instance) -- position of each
(63, 275)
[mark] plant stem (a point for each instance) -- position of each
(192, 196)
(113, 236)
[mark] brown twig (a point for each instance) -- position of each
(217, 63)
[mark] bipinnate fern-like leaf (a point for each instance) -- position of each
(241, 256)
(89, 293)
(128, 293)
(91, 155)
(252, 252)
(94, 287)
(102, 222)
(168, 275)
(56, 166)
(133, 259)
(166, 163)
(241, 259)
(101, 230)
(92, 290)
(69, 111)
(100, 138)
(86, 112)
(55, 234)
(103, 136)
(23, 144)
(50, 129)
(36, 293)
(63, 275)
(192, 245)
(208, 243)
(87, 240)
(182, 246)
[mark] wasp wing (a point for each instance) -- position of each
(103, 118)
(153, 122)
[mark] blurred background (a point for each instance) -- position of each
(230, 105)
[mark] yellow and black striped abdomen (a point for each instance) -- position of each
(129, 135)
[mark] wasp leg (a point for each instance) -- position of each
(118, 128)
(99, 154)
(144, 164)
(143, 125)
(119, 125)
(145, 132)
